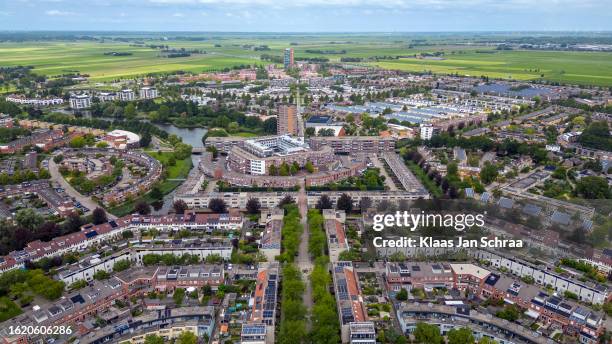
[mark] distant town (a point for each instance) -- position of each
(237, 205)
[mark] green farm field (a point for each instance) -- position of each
(87, 57)
(591, 68)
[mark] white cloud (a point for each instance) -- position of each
(178, 15)
(58, 13)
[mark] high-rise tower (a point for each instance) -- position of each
(288, 60)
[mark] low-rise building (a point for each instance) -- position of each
(336, 235)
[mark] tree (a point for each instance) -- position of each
(156, 193)
(121, 265)
(28, 218)
(486, 340)
(597, 135)
(98, 216)
(73, 223)
(102, 144)
(187, 337)
(593, 188)
(460, 336)
(77, 142)
(427, 334)
(284, 169)
(510, 313)
(129, 111)
(402, 295)
(324, 203)
(365, 203)
(253, 206)
(101, 275)
(145, 140)
(273, 170)
(345, 202)
(310, 131)
(309, 167)
(179, 206)
(217, 205)
(142, 208)
(154, 339)
(178, 296)
(285, 201)
(295, 168)
(488, 173)
(213, 150)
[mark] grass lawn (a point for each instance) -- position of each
(8, 309)
(245, 134)
(176, 174)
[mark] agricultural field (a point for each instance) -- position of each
(225, 51)
(56, 58)
(592, 68)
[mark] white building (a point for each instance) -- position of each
(128, 95)
(19, 99)
(362, 333)
(428, 131)
(148, 93)
(80, 101)
(107, 96)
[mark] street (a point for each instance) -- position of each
(303, 261)
(57, 177)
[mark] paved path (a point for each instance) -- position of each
(383, 171)
(88, 202)
(303, 261)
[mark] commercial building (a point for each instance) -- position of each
(122, 139)
(257, 156)
(287, 121)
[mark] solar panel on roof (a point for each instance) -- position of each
(560, 218)
(485, 197)
(532, 209)
(505, 202)
(77, 299)
(469, 193)
(91, 234)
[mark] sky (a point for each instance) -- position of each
(307, 15)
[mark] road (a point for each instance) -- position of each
(303, 261)
(88, 202)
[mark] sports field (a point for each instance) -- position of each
(87, 57)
